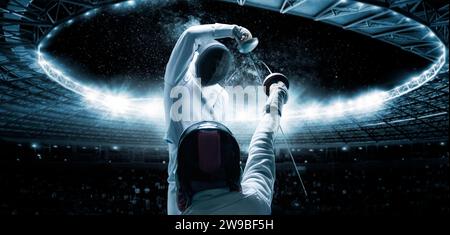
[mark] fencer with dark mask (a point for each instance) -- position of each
(204, 172)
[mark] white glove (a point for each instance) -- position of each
(278, 96)
(241, 34)
(281, 89)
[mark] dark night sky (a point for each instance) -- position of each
(134, 46)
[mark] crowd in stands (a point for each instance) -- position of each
(47, 185)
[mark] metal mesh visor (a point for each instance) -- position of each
(213, 64)
(209, 154)
(209, 158)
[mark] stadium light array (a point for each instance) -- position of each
(120, 103)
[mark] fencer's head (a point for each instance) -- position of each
(208, 157)
(214, 63)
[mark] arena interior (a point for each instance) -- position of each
(64, 152)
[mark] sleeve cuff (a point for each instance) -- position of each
(223, 30)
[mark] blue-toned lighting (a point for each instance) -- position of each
(91, 12)
(117, 102)
(92, 96)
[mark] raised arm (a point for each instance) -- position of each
(259, 173)
(182, 55)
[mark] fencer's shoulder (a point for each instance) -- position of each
(250, 192)
(257, 201)
(231, 203)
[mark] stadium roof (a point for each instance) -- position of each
(34, 107)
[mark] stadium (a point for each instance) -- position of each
(73, 148)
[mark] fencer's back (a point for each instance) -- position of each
(223, 202)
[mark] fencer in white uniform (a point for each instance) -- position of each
(257, 180)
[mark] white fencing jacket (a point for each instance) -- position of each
(259, 174)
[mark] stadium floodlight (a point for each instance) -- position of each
(92, 96)
(337, 108)
(117, 104)
(370, 100)
(311, 112)
(90, 12)
(130, 107)
(57, 72)
(151, 108)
